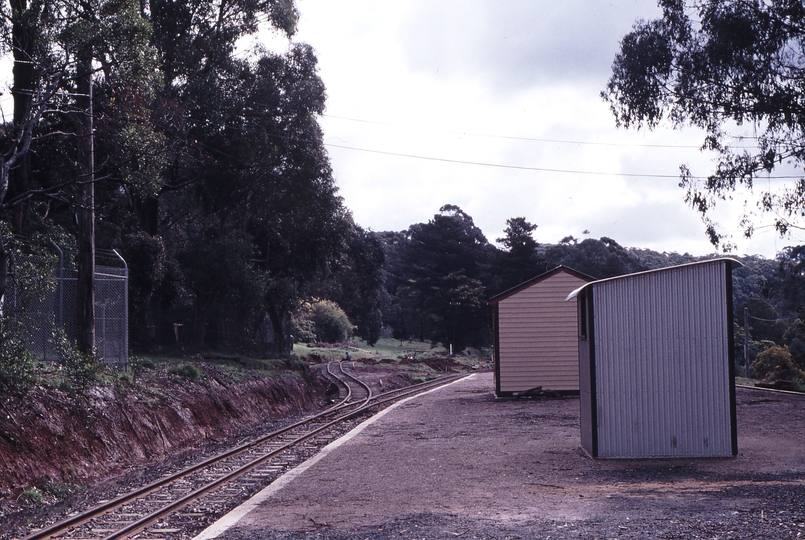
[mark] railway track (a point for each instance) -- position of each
(182, 504)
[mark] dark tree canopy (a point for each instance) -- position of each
(211, 176)
(723, 66)
(441, 280)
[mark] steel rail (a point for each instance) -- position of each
(112, 504)
(142, 523)
(358, 381)
(349, 390)
(139, 525)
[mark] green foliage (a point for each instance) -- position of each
(519, 236)
(33, 495)
(794, 337)
(303, 328)
(188, 371)
(717, 64)
(520, 261)
(83, 370)
(226, 289)
(31, 281)
(356, 283)
(764, 321)
(776, 363)
(602, 258)
(18, 367)
(441, 280)
(330, 323)
(139, 365)
(300, 366)
(60, 490)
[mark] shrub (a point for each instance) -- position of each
(33, 495)
(29, 281)
(321, 320)
(83, 369)
(302, 327)
(776, 363)
(17, 363)
(138, 365)
(189, 371)
(331, 323)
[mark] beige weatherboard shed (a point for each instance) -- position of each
(536, 335)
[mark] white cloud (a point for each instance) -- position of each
(511, 44)
(432, 77)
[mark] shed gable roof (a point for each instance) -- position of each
(526, 284)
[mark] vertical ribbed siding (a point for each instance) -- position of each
(662, 363)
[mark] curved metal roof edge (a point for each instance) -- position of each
(545, 275)
(736, 264)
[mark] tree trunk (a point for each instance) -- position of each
(3, 270)
(280, 323)
(22, 91)
(86, 209)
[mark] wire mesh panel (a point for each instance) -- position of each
(111, 315)
(39, 314)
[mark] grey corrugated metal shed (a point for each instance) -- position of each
(655, 360)
(536, 344)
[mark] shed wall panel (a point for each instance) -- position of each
(538, 337)
(662, 382)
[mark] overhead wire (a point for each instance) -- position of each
(478, 163)
(501, 166)
(531, 168)
(521, 138)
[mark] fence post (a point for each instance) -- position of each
(125, 310)
(61, 284)
(747, 367)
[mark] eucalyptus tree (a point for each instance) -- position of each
(602, 258)
(520, 259)
(357, 282)
(256, 185)
(445, 274)
(58, 46)
(724, 65)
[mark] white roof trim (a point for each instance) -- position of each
(575, 293)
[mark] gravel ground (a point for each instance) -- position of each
(459, 464)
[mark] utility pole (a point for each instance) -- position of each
(86, 207)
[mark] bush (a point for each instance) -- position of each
(189, 371)
(83, 369)
(302, 328)
(776, 363)
(17, 363)
(33, 495)
(322, 320)
(138, 365)
(331, 323)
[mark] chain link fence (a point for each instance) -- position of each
(40, 307)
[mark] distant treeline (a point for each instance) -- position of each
(439, 275)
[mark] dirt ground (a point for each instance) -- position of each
(458, 463)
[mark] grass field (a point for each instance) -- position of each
(391, 350)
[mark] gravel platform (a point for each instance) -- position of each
(457, 463)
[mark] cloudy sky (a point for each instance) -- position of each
(493, 105)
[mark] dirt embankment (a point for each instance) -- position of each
(52, 438)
